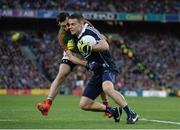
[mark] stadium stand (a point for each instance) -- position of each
(130, 6)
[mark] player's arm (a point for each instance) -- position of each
(75, 59)
(98, 46)
(101, 45)
(91, 66)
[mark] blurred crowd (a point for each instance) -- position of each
(16, 70)
(140, 6)
(160, 52)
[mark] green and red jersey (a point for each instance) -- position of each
(63, 38)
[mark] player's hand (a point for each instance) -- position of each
(91, 66)
(70, 45)
(70, 55)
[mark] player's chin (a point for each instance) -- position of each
(72, 32)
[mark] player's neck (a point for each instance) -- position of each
(83, 28)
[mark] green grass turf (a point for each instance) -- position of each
(20, 112)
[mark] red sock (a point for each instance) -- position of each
(48, 102)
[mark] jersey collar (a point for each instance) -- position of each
(83, 30)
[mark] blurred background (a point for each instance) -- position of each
(30, 54)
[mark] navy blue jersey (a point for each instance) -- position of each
(103, 57)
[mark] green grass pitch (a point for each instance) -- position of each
(18, 111)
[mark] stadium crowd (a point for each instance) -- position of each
(16, 70)
(159, 52)
(140, 6)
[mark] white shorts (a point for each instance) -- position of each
(65, 56)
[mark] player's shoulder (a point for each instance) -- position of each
(88, 31)
(92, 31)
(63, 33)
(60, 32)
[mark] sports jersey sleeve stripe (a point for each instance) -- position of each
(60, 38)
(96, 33)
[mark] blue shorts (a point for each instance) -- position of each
(94, 87)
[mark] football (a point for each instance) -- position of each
(85, 40)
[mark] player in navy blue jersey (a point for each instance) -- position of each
(66, 66)
(95, 49)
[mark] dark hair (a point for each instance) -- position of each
(62, 17)
(77, 16)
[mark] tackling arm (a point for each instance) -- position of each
(75, 59)
(91, 66)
